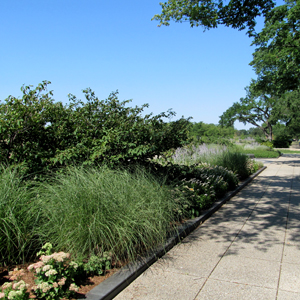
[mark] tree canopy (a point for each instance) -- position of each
(276, 59)
(238, 14)
(274, 95)
(254, 109)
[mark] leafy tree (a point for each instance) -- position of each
(255, 132)
(24, 134)
(254, 109)
(203, 132)
(239, 14)
(276, 59)
(288, 110)
(273, 96)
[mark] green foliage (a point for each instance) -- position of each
(210, 14)
(204, 185)
(262, 153)
(16, 290)
(283, 138)
(55, 275)
(267, 143)
(276, 58)
(256, 109)
(253, 166)
(234, 161)
(202, 132)
(46, 250)
(274, 95)
(98, 264)
(44, 135)
(109, 131)
(256, 132)
(227, 157)
(282, 141)
(92, 210)
(25, 138)
(291, 116)
(19, 218)
(290, 151)
(201, 184)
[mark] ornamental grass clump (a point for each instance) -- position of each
(234, 161)
(19, 218)
(94, 210)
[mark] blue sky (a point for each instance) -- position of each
(114, 45)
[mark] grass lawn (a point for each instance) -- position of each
(290, 151)
(262, 153)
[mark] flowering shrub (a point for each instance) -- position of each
(14, 290)
(17, 289)
(55, 276)
(253, 166)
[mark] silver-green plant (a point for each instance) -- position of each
(90, 211)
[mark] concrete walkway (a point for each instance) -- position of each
(249, 249)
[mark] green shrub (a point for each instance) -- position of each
(282, 141)
(195, 187)
(98, 264)
(268, 144)
(45, 134)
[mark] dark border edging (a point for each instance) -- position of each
(112, 286)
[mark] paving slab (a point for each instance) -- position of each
(195, 260)
(290, 277)
(245, 270)
(218, 289)
(284, 295)
(291, 253)
(158, 284)
(261, 244)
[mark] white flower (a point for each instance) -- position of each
(14, 294)
(7, 285)
(46, 268)
(50, 272)
(73, 287)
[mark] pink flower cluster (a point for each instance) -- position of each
(52, 265)
(16, 274)
(57, 256)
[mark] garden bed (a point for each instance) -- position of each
(107, 286)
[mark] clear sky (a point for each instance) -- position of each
(113, 45)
